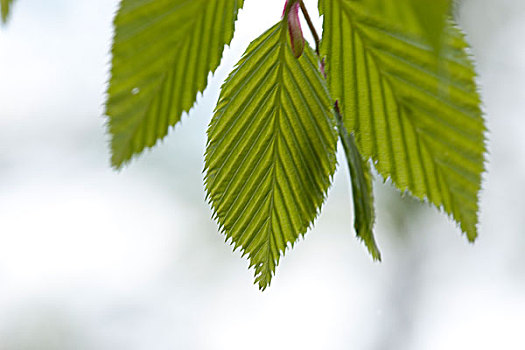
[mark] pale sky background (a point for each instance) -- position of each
(91, 258)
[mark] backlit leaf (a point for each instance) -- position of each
(163, 51)
(415, 112)
(271, 150)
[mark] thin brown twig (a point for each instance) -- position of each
(311, 26)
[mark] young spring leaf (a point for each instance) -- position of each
(5, 6)
(271, 150)
(362, 189)
(415, 112)
(163, 51)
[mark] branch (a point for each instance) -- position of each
(311, 26)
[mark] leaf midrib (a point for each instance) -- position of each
(276, 137)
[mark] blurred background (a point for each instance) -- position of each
(91, 258)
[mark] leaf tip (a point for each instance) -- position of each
(472, 235)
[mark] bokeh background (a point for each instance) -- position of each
(91, 258)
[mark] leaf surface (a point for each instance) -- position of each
(415, 112)
(163, 51)
(271, 150)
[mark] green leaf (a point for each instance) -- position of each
(5, 6)
(163, 51)
(415, 112)
(271, 150)
(362, 190)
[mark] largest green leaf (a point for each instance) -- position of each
(415, 112)
(163, 51)
(271, 150)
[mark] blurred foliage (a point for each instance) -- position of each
(425, 19)
(5, 6)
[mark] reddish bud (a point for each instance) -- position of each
(294, 28)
